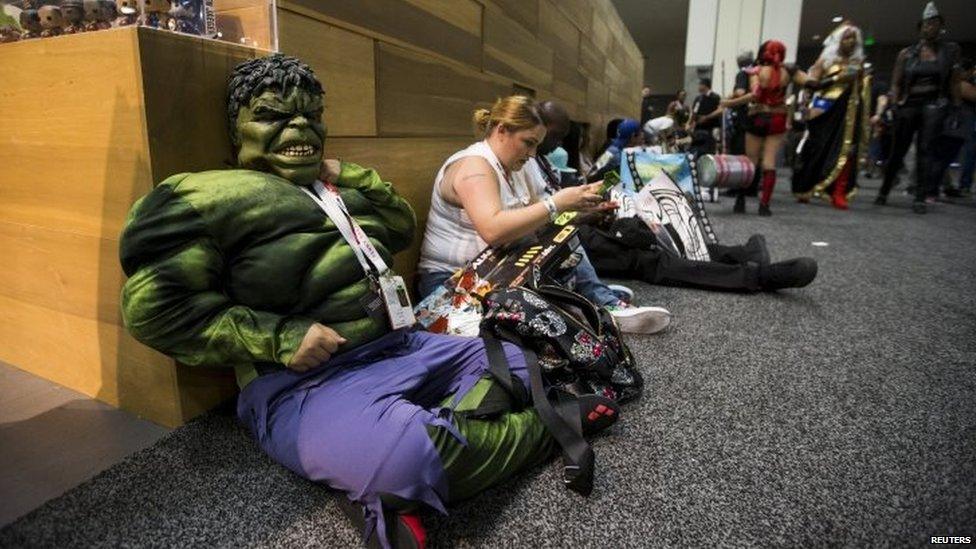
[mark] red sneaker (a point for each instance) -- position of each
(404, 530)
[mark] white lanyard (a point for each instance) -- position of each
(331, 203)
(499, 169)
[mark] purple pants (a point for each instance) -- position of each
(359, 422)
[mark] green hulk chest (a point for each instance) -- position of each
(281, 253)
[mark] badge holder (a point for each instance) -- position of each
(388, 290)
(397, 301)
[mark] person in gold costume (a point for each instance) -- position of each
(837, 121)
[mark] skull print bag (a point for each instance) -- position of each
(578, 344)
(572, 348)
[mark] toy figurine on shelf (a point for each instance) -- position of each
(9, 34)
(51, 21)
(157, 13)
(128, 13)
(188, 16)
(73, 12)
(99, 14)
(30, 21)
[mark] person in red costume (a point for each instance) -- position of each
(766, 123)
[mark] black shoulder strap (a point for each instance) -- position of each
(564, 424)
(500, 370)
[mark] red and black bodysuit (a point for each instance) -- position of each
(767, 111)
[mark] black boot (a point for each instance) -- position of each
(880, 200)
(740, 204)
(764, 210)
(757, 249)
(795, 273)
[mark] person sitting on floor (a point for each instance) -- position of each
(244, 268)
(628, 135)
(629, 249)
(482, 197)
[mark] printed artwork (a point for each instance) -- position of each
(661, 202)
(665, 196)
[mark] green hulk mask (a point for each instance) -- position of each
(275, 117)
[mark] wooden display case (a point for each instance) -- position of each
(90, 122)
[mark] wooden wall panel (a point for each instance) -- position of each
(55, 155)
(464, 14)
(623, 103)
(344, 63)
(591, 60)
(600, 34)
(525, 12)
(597, 97)
(568, 84)
(580, 12)
(418, 94)
(61, 219)
(185, 83)
(61, 270)
(402, 21)
(559, 33)
(411, 165)
(514, 52)
(95, 358)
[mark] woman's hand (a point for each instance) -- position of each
(581, 198)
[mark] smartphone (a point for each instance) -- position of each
(610, 179)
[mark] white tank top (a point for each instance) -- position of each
(450, 240)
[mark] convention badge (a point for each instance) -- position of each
(398, 308)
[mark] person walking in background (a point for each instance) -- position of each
(677, 109)
(881, 123)
(968, 161)
(924, 81)
(766, 124)
(706, 117)
(837, 121)
(647, 110)
(738, 115)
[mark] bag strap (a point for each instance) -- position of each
(562, 422)
(578, 458)
(499, 369)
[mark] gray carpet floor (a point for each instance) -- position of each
(840, 414)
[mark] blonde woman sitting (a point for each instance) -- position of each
(483, 197)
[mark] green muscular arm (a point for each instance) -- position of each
(173, 301)
(393, 211)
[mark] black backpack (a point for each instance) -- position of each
(572, 348)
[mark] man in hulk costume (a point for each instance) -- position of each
(242, 268)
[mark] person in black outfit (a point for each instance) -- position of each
(705, 118)
(924, 81)
(738, 118)
(737, 141)
(647, 111)
(628, 249)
